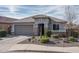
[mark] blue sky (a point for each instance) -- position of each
(21, 11)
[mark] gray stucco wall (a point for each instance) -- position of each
(39, 21)
(62, 27)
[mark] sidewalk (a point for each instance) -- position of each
(33, 47)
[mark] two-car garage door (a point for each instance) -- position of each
(24, 29)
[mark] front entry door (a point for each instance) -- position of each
(40, 29)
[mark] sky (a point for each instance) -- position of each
(22, 11)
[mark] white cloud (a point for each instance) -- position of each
(20, 11)
(12, 9)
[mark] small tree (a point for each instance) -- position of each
(71, 17)
(49, 33)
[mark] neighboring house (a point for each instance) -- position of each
(6, 23)
(38, 24)
(4, 26)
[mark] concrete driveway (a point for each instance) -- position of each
(7, 42)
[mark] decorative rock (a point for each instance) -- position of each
(29, 39)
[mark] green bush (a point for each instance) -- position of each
(72, 39)
(56, 36)
(44, 39)
(3, 33)
(49, 33)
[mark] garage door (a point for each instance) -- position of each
(24, 29)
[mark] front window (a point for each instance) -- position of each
(55, 26)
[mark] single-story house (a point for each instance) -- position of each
(6, 23)
(38, 24)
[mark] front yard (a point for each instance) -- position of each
(52, 42)
(56, 40)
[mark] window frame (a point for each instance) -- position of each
(55, 26)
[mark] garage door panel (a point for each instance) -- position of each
(24, 29)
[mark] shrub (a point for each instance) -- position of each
(3, 33)
(56, 36)
(49, 33)
(72, 39)
(33, 37)
(72, 32)
(44, 39)
(63, 35)
(75, 34)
